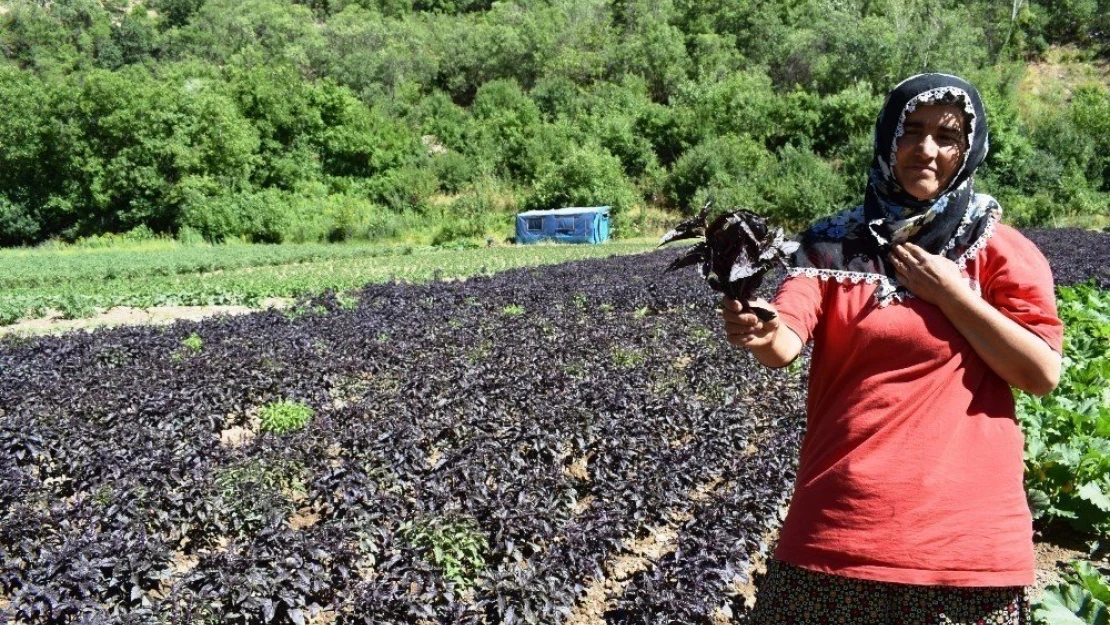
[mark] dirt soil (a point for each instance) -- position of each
(126, 315)
(1054, 553)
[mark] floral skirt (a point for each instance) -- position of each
(790, 595)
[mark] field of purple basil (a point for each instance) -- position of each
(478, 452)
(544, 417)
(1075, 255)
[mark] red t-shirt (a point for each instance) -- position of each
(911, 468)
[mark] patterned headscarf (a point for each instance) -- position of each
(853, 244)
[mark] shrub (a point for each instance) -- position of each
(742, 104)
(1090, 114)
(453, 171)
(505, 120)
(588, 176)
(725, 162)
(343, 217)
(383, 224)
(401, 189)
(549, 143)
(443, 120)
(801, 187)
(469, 217)
(17, 225)
(845, 115)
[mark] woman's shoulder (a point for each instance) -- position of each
(1007, 240)
(1000, 238)
(1010, 253)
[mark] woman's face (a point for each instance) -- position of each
(930, 150)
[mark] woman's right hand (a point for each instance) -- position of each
(744, 329)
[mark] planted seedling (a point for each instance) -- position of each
(736, 250)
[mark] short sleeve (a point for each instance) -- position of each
(1017, 280)
(798, 303)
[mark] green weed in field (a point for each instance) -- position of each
(193, 343)
(627, 358)
(285, 416)
(458, 548)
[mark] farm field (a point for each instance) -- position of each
(77, 282)
(562, 444)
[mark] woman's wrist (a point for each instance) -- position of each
(779, 349)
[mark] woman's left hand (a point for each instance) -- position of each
(928, 276)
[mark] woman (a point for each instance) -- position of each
(923, 310)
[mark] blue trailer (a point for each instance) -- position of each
(565, 225)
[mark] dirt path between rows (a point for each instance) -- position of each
(125, 315)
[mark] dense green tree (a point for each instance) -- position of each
(176, 13)
(26, 173)
(373, 54)
(505, 121)
(34, 38)
(1090, 115)
(249, 32)
(442, 121)
(732, 163)
(801, 187)
(833, 45)
(845, 116)
(135, 39)
(578, 40)
(1074, 21)
(655, 50)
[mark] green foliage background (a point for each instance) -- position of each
(325, 120)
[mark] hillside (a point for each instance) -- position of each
(429, 120)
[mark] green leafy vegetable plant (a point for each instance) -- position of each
(189, 346)
(1067, 454)
(1080, 599)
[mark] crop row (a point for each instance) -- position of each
(77, 282)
